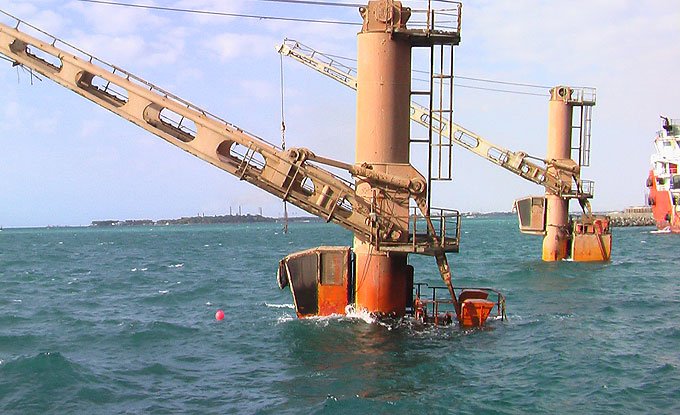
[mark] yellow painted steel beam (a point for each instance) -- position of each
(285, 174)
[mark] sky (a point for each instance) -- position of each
(66, 161)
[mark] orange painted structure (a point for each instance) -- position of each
(387, 208)
(591, 240)
(319, 280)
(382, 139)
(585, 238)
(560, 113)
(559, 174)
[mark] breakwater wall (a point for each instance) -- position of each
(637, 217)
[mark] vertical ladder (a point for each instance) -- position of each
(441, 106)
(439, 95)
(584, 99)
(581, 150)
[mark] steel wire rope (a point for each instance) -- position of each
(315, 3)
(467, 78)
(25, 69)
(294, 19)
(283, 142)
(216, 13)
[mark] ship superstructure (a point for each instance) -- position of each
(663, 182)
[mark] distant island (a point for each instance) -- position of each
(248, 218)
(200, 220)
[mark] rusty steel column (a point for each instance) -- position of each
(560, 110)
(383, 105)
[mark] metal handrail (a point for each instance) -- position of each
(429, 20)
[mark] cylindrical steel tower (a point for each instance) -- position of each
(383, 102)
(560, 110)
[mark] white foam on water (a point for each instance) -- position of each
(17, 301)
(163, 292)
(291, 306)
(363, 315)
(284, 319)
(180, 265)
(208, 303)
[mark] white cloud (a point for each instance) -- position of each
(229, 46)
(261, 90)
(117, 20)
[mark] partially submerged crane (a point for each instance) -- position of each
(387, 207)
(587, 238)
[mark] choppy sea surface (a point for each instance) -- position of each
(121, 320)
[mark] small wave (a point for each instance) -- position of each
(284, 319)
(139, 269)
(163, 292)
(53, 367)
(180, 265)
(291, 306)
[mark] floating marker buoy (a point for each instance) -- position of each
(219, 315)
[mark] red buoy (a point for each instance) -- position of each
(219, 315)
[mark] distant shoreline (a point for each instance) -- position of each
(225, 219)
(199, 220)
(618, 219)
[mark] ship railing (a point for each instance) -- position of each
(421, 239)
(586, 188)
(440, 307)
(583, 95)
(442, 21)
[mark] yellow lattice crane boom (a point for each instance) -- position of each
(293, 175)
(560, 177)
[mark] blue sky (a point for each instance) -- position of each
(65, 161)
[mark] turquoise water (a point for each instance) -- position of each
(121, 320)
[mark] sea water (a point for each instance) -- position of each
(121, 320)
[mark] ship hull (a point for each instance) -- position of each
(663, 181)
(663, 207)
